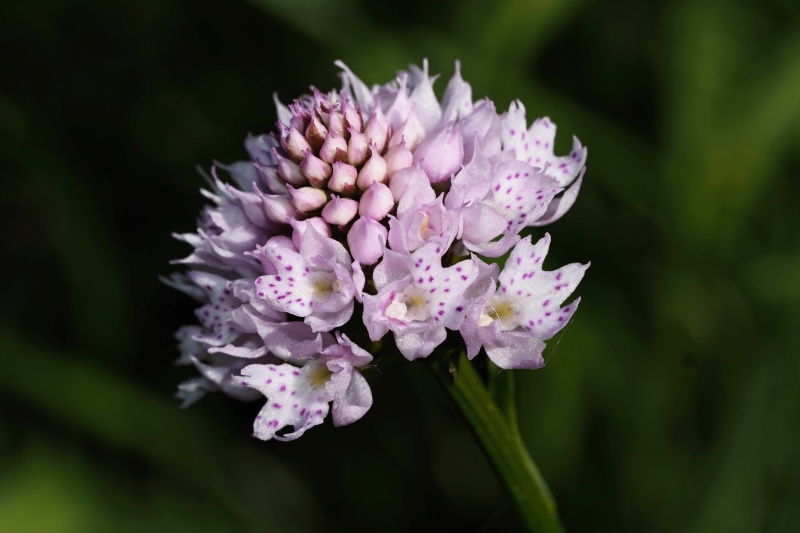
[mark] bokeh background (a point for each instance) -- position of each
(670, 404)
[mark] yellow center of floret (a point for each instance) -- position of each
(318, 375)
(324, 284)
(408, 305)
(425, 220)
(498, 309)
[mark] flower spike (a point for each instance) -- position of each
(382, 211)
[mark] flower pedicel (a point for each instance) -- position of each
(373, 212)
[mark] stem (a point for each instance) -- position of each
(501, 443)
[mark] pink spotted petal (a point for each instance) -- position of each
(523, 279)
(521, 193)
(289, 290)
(561, 204)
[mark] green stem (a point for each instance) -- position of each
(501, 442)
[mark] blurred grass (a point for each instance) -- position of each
(669, 404)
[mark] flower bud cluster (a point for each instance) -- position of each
(370, 211)
(336, 160)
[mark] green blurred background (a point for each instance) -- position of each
(670, 404)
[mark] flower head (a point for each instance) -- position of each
(374, 211)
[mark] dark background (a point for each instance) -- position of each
(670, 404)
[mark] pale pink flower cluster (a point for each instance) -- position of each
(369, 211)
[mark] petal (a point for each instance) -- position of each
(192, 390)
(420, 340)
(222, 377)
(481, 223)
(315, 244)
(565, 169)
(351, 84)
(482, 128)
(423, 98)
(471, 184)
(457, 98)
(352, 397)
(327, 321)
(372, 317)
(443, 288)
(291, 289)
(512, 349)
(561, 204)
(535, 145)
(355, 354)
(494, 248)
(514, 127)
(398, 109)
(393, 267)
(411, 188)
(441, 153)
(541, 291)
(521, 193)
(182, 283)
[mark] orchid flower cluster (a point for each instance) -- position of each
(373, 211)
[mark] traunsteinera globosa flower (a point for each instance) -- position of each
(369, 212)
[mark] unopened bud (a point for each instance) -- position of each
(334, 148)
(294, 143)
(373, 170)
(442, 154)
(300, 116)
(343, 179)
(337, 124)
(410, 189)
(366, 240)
(352, 115)
(322, 104)
(398, 157)
(289, 171)
(315, 169)
(481, 127)
(340, 211)
(316, 132)
(412, 131)
(403, 180)
(299, 228)
(268, 175)
(357, 148)
(278, 207)
(376, 202)
(377, 129)
(307, 199)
